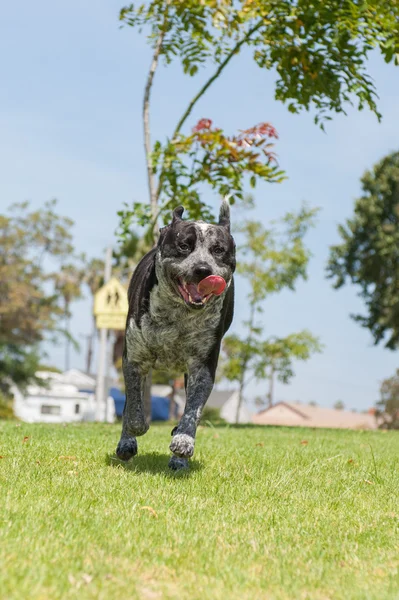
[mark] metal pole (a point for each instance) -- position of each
(102, 351)
(110, 340)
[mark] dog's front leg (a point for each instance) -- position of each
(133, 420)
(199, 386)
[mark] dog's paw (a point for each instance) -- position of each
(176, 463)
(137, 427)
(182, 445)
(127, 448)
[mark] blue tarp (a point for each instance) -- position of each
(159, 405)
(119, 399)
(159, 408)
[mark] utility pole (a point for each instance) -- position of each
(102, 353)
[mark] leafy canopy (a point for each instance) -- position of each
(368, 255)
(34, 288)
(319, 49)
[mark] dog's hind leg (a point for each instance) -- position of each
(133, 420)
(199, 386)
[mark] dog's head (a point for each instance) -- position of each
(196, 260)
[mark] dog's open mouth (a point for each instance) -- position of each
(198, 294)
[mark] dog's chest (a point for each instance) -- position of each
(171, 336)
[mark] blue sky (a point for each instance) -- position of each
(70, 122)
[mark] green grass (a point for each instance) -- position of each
(262, 515)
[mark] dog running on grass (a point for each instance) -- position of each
(181, 300)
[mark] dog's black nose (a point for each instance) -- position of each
(202, 270)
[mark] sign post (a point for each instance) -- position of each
(110, 310)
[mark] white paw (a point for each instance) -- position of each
(182, 445)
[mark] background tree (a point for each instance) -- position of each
(94, 279)
(368, 255)
(32, 246)
(270, 260)
(339, 405)
(319, 52)
(68, 283)
(277, 356)
(388, 405)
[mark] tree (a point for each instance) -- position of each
(94, 279)
(270, 260)
(368, 255)
(388, 405)
(32, 245)
(339, 405)
(277, 356)
(319, 52)
(68, 283)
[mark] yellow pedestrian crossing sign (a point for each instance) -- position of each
(111, 305)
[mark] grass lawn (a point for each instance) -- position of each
(265, 513)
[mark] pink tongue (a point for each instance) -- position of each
(211, 285)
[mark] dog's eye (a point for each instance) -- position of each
(184, 247)
(218, 250)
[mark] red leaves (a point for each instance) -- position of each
(208, 155)
(258, 131)
(236, 148)
(261, 130)
(202, 124)
(256, 136)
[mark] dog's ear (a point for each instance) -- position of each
(224, 214)
(177, 215)
(176, 218)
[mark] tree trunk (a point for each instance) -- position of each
(270, 395)
(146, 124)
(68, 341)
(240, 398)
(245, 361)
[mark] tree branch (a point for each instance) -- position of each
(146, 117)
(202, 91)
(222, 65)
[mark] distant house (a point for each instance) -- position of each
(83, 381)
(223, 400)
(306, 415)
(70, 397)
(58, 399)
(227, 401)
